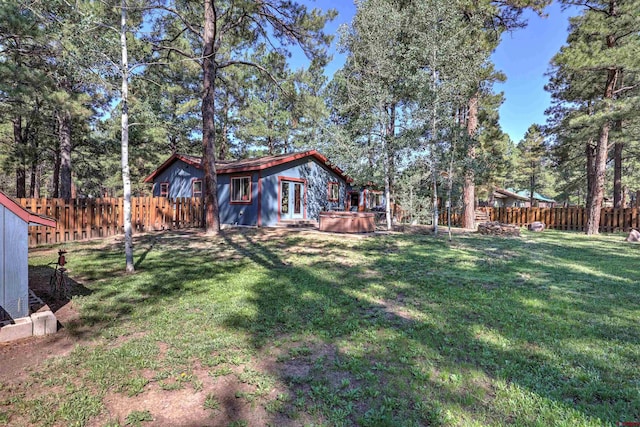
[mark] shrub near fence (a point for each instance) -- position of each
(574, 218)
(87, 218)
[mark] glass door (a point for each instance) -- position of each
(291, 200)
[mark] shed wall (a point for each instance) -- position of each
(14, 267)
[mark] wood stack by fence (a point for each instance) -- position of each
(572, 218)
(86, 218)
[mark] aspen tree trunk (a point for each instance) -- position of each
(434, 160)
(389, 134)
(211, 214)
(469, 189)
(126, 177)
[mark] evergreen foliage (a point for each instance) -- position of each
(595, 87)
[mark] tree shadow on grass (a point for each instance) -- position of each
(395, 330)
(432, 342)
(167, 265)
(40, 283)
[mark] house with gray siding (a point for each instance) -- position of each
(263, 191)
(14, 265)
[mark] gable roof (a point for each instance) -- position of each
(500, 193)
(25, 215)
(249, 165)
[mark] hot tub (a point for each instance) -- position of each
(347, 222)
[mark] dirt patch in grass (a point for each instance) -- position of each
(21, 356)
(168, 408)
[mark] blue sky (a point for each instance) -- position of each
(523, 55)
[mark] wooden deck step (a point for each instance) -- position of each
(298, 223)
(482, 216)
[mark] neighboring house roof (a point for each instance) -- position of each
(25, 215)
(537, 196)
(500, 193)
(247, 165)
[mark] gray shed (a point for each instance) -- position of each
(14, 266)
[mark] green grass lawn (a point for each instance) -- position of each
(256, 328)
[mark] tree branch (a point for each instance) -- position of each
(257, 66)
(195, 30)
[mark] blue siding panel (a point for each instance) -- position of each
(3, 250)
(237, 213)
(180, 176)
(317, 177)
(14, 275)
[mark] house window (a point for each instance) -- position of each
(375, 199)
(241, 189)
(164, 189)
(196, 188)
(334, 191)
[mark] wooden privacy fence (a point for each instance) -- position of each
(574, 218)
(86, 218)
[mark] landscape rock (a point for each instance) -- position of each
(18, 329)
(634, 236)
(537, 226)
(44, 323)
(496, 228)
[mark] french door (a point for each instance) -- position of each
(291, 200)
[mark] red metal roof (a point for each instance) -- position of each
(25, 215)
(247, 165)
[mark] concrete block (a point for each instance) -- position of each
(22, 328)
(44, 323)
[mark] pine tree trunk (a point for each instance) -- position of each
(617, 174)
(173, 144)
(33, 182)
(21, 174)
(126, 177)
(56, 174)
(38, 184)
(211, 214)
(64, 134)
(597, 191)
(532, 187)
(468, 191)
(590, 150)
